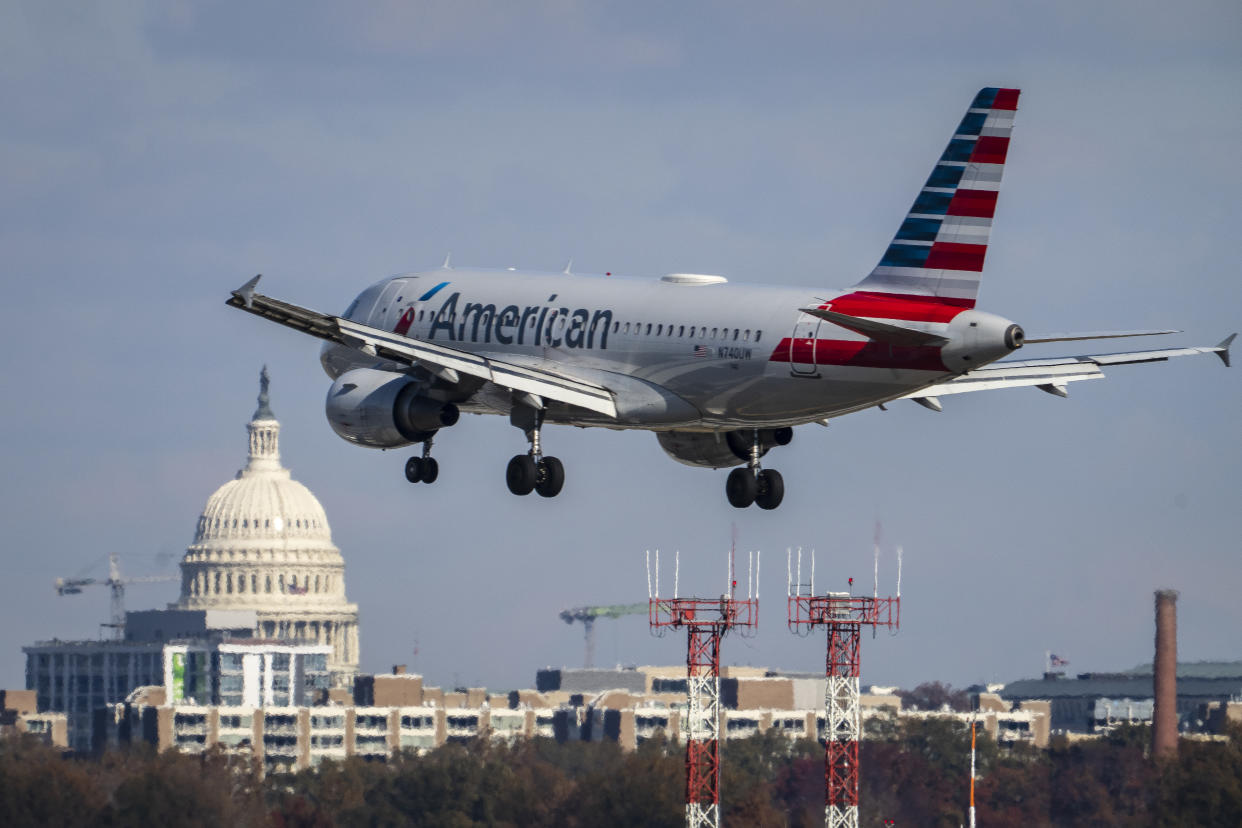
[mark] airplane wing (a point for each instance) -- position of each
(446, 363)
(1052, 375)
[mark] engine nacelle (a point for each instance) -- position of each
(719, 450)
(382, 409)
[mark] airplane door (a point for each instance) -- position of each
(802, 345)
(391, 302)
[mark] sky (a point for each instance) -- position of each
(155, 155)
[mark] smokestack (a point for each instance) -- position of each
(1164, 716)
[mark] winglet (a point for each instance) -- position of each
(246, 291)
(447, 265)
(1222, 350)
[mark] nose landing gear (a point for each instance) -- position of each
(752, 484)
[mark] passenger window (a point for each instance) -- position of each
(735, 334)
(648, 329)
(746, 335)
(659, 330)
(670, 330)
(681, 330)
(714, 333)
(616, 326)
(757, 335)
(627, 327)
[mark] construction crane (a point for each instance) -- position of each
(72, 586)
(587, 616)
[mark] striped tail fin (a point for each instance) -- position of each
(939, 249)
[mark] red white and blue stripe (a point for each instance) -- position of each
(939, 249)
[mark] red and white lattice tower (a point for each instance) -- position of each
(706, 620)
(843, 615)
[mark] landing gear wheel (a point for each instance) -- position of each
(551, 477)
(741, 488)
(771, 489)
(521, 474)
(431, 470)
(414, 469)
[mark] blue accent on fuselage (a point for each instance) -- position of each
(432, 292)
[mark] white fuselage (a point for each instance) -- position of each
(679, 354)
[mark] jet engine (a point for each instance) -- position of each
(383, 409)
(719, 450)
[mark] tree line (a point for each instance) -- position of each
(916, 773)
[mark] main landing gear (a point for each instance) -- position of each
(422, 469)
(533, 471)
(751, 484)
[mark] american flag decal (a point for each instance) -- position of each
(701, 351)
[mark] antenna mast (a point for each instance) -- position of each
(843, 615)
(706, 621)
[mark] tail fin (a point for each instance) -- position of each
(939, 249)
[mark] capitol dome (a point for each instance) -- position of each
(263, 543)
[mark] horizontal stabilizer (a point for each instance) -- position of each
(1076, 337)
(1053, 375)
(879, 331)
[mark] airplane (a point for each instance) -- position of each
(721, 373)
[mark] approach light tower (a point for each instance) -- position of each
(843, 615)
(706, 620)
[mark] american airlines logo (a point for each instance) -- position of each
(555, 327)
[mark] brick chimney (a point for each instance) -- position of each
(1164, 716)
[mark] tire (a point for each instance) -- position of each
(741, 488)
(431, 470)
(521, 474)
(414, 469)
(551, 477)
(771, 489)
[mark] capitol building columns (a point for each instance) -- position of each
(263, 543)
